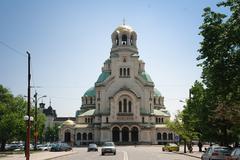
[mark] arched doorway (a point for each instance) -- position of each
(115, 134)
(134, 134)
(125, 134)
(67, 137)
(164, 136)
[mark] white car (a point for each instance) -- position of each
(108, 147)
(45, 147)
(216, 152)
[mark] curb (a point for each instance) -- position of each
(188, 155)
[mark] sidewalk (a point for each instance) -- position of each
(45, 155)
(195, 152)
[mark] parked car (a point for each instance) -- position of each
(108, 147)
(45, 147)
(92, 147)
(235, 155)
(170, 147)
(61, 147)
(216, 152)
(12, 147)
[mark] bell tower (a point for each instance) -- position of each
(124, 38)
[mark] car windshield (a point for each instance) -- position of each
(92, 145)
(222, 150)
(108, 144)
(172, 144)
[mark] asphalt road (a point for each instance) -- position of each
(127, 153)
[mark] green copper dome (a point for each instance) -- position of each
(103, 76)
(157, 92)
(146, 77)
(91, 92)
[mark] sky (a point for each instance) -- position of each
(69, 40)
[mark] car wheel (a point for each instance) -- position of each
(114, 153)
(102, 153)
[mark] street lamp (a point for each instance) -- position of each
(28, 119)
(35, 124)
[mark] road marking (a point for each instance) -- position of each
(125, 155)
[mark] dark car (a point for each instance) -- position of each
(61, 147)
(92, 147)
(108, 147)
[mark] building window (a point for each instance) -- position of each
(129, 106)
(120, 106)
(78, 136)
(124, 39)
(142, 119)
(85, 120)
(90, 137)
(106, 119)
(125, 105)
(91, 100)
(162, 120)
(156, 120)
(128, 72)
(84, 136)
(170, 136)
(164, 136)
(124, 71)
(159, 137)
(98, 107)
(98, 95)
(120, 71)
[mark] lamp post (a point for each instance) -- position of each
(35, 124)
(28, 119)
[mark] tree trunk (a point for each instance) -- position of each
(3, 143)
(185, 146)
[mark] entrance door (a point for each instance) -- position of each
(125, 134)
(115, 134)
(134, 134)
(67, 137)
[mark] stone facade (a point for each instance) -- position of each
(123, 106)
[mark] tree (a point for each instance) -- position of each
(11, 117)
(51, 134)
(219, 58)
(184, 130)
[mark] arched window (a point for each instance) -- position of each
(84, 136)
(129, 106)
(120, 106)
(128, 71)
(124, 39)
(90, 100)
(85, 120)
(106, 119)
(124, 105)
(170, 136)
(142, 119)
(159, 136)
(79, 136)
(120, 71)
(124, 71)
(156, 120)
(90, 137)
(164, 136)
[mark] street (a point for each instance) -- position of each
(128, 153)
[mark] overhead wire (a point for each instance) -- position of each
(13, 49)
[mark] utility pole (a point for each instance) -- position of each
(35, 124)
(28, 110)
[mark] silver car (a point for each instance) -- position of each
(235, 155)
(108, 147)
(216, 153)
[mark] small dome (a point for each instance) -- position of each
(157, 92)
(124, 28)
(146, 77)
(68, 123)
(91, 92)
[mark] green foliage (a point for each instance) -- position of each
(184, 130)
(12, 110)
(51, 134)
(214, 111)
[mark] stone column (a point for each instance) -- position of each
(120, 136)
(130, 136)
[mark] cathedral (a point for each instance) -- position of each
(123, 106)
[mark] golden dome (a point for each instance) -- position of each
(124, 28)
(68, 123)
